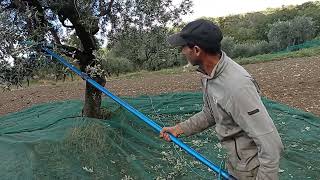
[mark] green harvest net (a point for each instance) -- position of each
(51, 141)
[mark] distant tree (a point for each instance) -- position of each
(311, 9)
(302, 29)
(255, 26)
(113, 65)
(279, 33)
(147, 48)
(293, 32)
(227, 45)
(144, 42)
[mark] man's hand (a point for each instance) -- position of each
(174, 130)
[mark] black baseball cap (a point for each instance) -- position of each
(201, 32)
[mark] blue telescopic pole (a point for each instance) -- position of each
(142, 117)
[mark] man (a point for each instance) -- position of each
(231, 103)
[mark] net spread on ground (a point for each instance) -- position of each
(52, 141)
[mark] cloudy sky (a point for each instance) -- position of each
(215, 8)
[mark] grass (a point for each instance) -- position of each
(309, 52)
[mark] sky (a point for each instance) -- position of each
(215, 8)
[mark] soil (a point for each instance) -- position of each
(295, 82)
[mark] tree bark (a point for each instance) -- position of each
(92, 101)
(92, 105)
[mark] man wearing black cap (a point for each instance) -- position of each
(231, 103)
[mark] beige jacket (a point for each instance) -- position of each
(233, 105)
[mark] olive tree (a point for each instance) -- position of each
(292, 32)
(92, 21)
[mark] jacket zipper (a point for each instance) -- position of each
(235, 144)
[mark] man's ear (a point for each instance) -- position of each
(197, 50)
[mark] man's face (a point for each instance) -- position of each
(192, 55)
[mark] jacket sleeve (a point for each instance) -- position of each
(198, 122)
(247, 110)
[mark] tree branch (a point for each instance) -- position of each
(70, 51)
(104, 11)
(55, 35)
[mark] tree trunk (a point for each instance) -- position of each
(92, 102)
